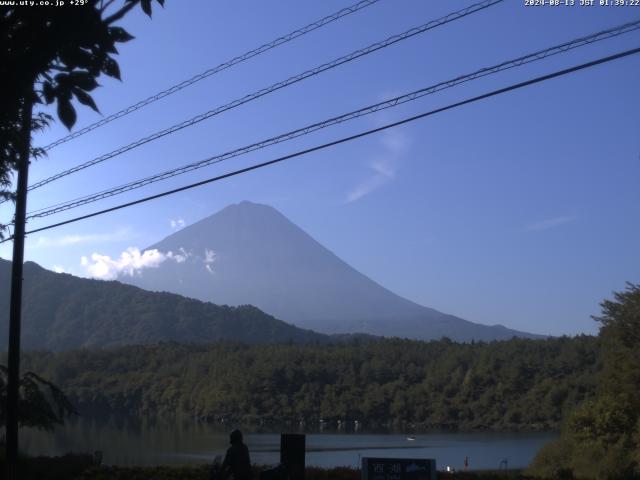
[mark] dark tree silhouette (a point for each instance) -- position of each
(54, 55)
(48, 54)
(41, 405)
(601, 438)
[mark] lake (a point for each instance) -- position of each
(154, 443)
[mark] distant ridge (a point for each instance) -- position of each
(63, 312)
(249, 253)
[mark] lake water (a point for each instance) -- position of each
(151, 443)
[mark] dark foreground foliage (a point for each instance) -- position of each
(485, 475)
(82, 467)
(201, 473)
(41, 404)
(52, 55)
(66, 467)
(601, 438)
(513, 385)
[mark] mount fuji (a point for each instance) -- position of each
(250, 253)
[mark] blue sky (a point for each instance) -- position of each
(521, 210)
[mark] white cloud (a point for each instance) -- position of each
(395, 145)
(549, 223)
(179, 257)
(59, 269)
(209, 259)
(383, 168)
(68, 240)
(209, 256)
(179, 223)
(396, 142)
(130, 263)
(366, 187)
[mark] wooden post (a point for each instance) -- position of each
(292, 455)
(15, 311)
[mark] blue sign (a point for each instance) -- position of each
(398, 469)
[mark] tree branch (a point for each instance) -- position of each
(121, 13)
(104, 6)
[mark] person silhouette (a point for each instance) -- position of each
(236, 462)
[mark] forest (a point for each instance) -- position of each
(513, 385)
(63, 312)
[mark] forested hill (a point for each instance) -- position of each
(61, 311)
(517, 384)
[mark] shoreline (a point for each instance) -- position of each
(293, 427)
(84, 467)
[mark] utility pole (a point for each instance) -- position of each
(13, 382)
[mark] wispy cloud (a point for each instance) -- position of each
(179, 223)
(209, 259)
(383, 168)
(548, 223)
(365, 187)
(130, 263)
(69, 240)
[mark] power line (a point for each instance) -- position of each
(347, 139)
(529, 58)
(539, 55)
(212, 71)
(276, 86)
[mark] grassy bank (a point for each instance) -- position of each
(201, 473)
(82, 467)
(198, 473)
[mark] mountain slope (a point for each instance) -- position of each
(251, 254)
(61, 312)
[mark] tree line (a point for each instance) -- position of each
(514, 385)
(601, 438)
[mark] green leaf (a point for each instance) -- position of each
(85, 99)
(84, 80)
(62, 79)
(96, 67)
(49, 92)
(146, 6)
(110, 46)
(111, 68)
(119, 34)
(66, 112)
(74, 57)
